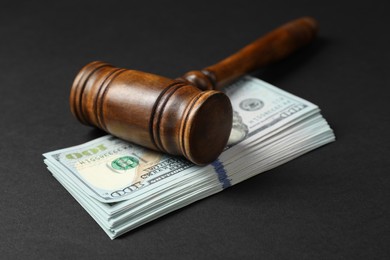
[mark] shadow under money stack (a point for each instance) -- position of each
(122, 185)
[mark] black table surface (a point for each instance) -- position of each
(332, 203)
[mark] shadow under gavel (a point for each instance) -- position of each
(187, 116)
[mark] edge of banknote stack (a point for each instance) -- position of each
(123, 186)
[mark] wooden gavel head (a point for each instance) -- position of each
(187, 116)
(156, 112)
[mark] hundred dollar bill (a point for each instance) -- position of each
(112, 170)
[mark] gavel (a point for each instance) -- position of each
(188, 116)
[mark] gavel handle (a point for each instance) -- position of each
(272, 47)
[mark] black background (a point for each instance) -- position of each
(332, 203)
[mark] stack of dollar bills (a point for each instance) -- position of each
(122, 185)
